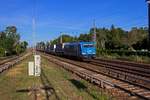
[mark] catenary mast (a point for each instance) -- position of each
(148, 2)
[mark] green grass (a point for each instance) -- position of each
(56, 83)
(141, 59)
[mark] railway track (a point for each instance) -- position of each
(137, 67)
(125, 88)
(134, 74)
(8, 63)
(3, 61)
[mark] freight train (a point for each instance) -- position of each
(80, 50)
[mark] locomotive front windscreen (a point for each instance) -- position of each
(88, 45)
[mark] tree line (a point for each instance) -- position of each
(113, 38)
(10, 43)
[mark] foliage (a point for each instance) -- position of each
(2, 51)
(85, 37)
(65, 38)
(42, 45)
(10, 42)
(113, 40)
(21, 47)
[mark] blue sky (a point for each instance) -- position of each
(70, 16)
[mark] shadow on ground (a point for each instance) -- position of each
(33, 90)
(46, 86)
(80, 86)
(49, 90)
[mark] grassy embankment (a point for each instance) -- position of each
(54, 84)
(140, 59)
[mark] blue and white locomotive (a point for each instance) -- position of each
(83, 50)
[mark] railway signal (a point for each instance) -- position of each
(148, 2)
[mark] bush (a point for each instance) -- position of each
(123, 53)
(2, 52)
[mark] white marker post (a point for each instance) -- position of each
(37, 67)
(31, 68)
